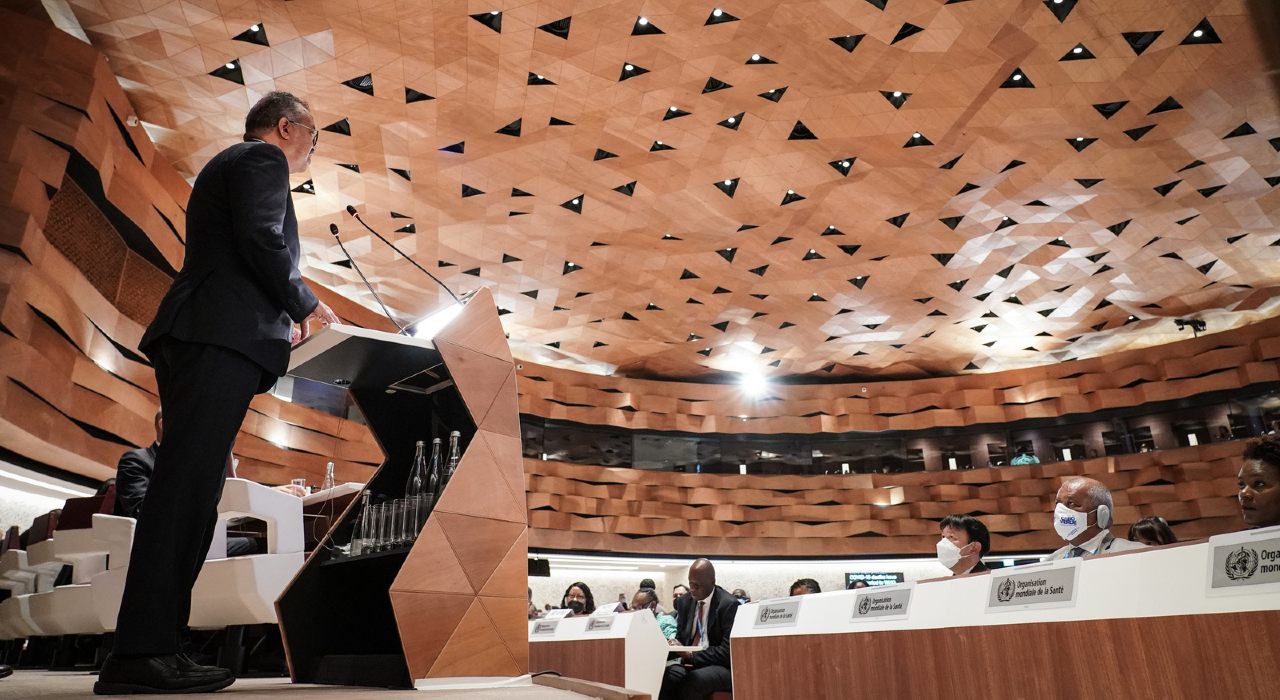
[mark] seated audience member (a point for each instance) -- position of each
(1082, 518)
(533, 609)
(1259, 483)
(1024, 456)
(649, 584)
(805, 586)
(704, 619)
(677, 591)
(647, 599)
(857, 583)
(133, 476)
(964, 542)
(741, 595)
(622, 602)
(1153, 532)
(578, 598)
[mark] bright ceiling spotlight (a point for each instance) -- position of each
(753, 383)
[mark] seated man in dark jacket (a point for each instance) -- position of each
(704, 619)
(133, 475)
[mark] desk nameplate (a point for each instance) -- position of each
(1244, 562)
(785, 613)
(1035, 587)
(544, 628)
(882, 603)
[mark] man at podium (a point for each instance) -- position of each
(222, 333)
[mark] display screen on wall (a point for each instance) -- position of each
(875, 578)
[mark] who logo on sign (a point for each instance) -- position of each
(864, 606)
(1241, 564)
(1005, 592)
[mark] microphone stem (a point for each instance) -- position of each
(406, 257)
(368, 286)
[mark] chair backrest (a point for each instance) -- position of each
(77, 513)
(13, 538)
(42, 527)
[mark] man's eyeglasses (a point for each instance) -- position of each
(315, 133)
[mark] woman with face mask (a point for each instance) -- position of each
(964, 542)
(578, 598)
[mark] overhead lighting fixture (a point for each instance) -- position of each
(754, 383)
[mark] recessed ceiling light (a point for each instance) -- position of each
(756, 57)
(231, 66)
(844, 163)
(1077, 50)
(575, 202)
(628, 67)
(830, 226)
(728, 182)
(673, 108)
(811, 250)
(731, 120)
(642, 21)
(791, 191)
(717, 12)
(897, 93)
(1079, 138)
(571, 264)
(915, 135)
(1057, 2)
(1017, 76)
(658, 142)
(541, 78)
(494, 12)
(770, 92)
(1198, 33)
(253, 28)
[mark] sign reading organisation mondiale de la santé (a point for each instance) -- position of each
(1240, 562)
(1038, 586)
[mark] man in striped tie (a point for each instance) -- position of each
(704, 620)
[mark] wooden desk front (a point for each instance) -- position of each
(1142, 627)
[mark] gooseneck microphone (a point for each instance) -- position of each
(333, 229)
(352, 211)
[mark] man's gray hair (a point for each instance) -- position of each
(266, 113)
(1098, 494)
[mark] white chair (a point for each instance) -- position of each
(116, 535)
(243, 590)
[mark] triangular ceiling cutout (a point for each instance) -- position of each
(558, 28)
(363, 83)
(491, 19)
(411, 96)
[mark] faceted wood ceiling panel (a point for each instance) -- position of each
(871, 187)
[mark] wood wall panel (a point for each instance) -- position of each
(1217, 362)
(72, 293)
(606, 509)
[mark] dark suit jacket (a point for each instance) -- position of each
(979, 568)
(133, 475)
(724, 607)
(239, 286)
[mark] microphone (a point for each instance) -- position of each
(352, 211)
(333, 229)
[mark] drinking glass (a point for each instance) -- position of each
(377, 537)
(299, 487)
(410, 522)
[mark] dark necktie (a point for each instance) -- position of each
(697, 626)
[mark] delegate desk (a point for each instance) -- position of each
(625, 650)
(1143, 625)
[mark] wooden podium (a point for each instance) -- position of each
(454, 604)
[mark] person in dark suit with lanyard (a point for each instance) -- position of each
(222, 333)
(704, 619)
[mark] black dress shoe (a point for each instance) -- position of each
(159, 674)
(5, 671)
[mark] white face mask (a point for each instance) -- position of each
(1069, 523)
(948, 553)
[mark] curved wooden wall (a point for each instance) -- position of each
(75, 298)
(587, 508)
(1221, 361)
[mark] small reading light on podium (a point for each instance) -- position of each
(742, 469)
(844, 467)
(429, 326)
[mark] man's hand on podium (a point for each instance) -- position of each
(322, 313)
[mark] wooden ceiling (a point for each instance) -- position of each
(870, 187)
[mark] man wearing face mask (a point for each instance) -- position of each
(964, 542)
(1082, 518)
(646, 600)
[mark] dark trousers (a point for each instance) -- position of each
(680, 683)
(204, 393)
